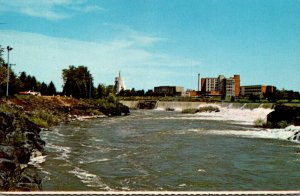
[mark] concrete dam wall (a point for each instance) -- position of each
(180, 105)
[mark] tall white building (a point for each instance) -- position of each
(119, 84)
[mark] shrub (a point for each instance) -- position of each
(94, 112)
(295, 101)
(190, 111)
(4, 108)
(267, 105)
(259, 122)
(283, 101)
(209, 109)
(111, 98)
(282, 124)
(44, 118)
(201, 109)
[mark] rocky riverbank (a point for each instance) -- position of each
(19, 140)
(21, 120)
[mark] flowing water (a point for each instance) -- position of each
(159, 150)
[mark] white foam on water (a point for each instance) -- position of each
(37, 160)
(96, 139)
(91, 180)
(182, 185)
(122, 156)
(201, 170)
(87, 146)
(94, 161)
(63, 150)
(238, 116)
(282, 134)
(180, 132)
(234, 115)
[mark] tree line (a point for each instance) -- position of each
(23, 82)
(78, 82)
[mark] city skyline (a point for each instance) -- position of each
(155, 43)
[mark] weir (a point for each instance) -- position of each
(181, 105)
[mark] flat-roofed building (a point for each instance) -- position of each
(221, 86)
(256, 90)
(210, 84)
(191, 93)
(230, 87)
(169, 90)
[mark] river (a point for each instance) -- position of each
(158, 150)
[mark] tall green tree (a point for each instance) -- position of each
(78, 81)
(101, 90)
(51, 90)
(44, 89)
(1, 56)
(3, 72)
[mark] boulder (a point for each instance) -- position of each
(8, 152)
(147, 105)
(284, 115)
(7, 165)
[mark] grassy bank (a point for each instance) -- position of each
(46, 111)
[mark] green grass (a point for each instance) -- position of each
(39, 122)
(43, 118)
(5, 108)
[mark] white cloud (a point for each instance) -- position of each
(45, 57)
(48, 9)
(127, 33)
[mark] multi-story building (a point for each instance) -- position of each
(256, 90)
(221, 86)
(169, 90)
(119, 84)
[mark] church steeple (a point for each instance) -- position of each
(119, 84)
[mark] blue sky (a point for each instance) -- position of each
(156, 42)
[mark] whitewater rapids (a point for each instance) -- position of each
(242, 116)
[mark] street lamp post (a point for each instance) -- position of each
(8, 67)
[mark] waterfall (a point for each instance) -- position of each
(230, 105)
(243, 106)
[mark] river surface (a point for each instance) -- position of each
(158, 150)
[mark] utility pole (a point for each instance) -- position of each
(8, 67)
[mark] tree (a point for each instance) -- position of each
(232, 99)
(254, 97)
(149, 92)
(77, 81)
(109, 89)
(51, 90)
(33, 83)
(3, 75)
(1, 54)
(43, 89)
(101, 91)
